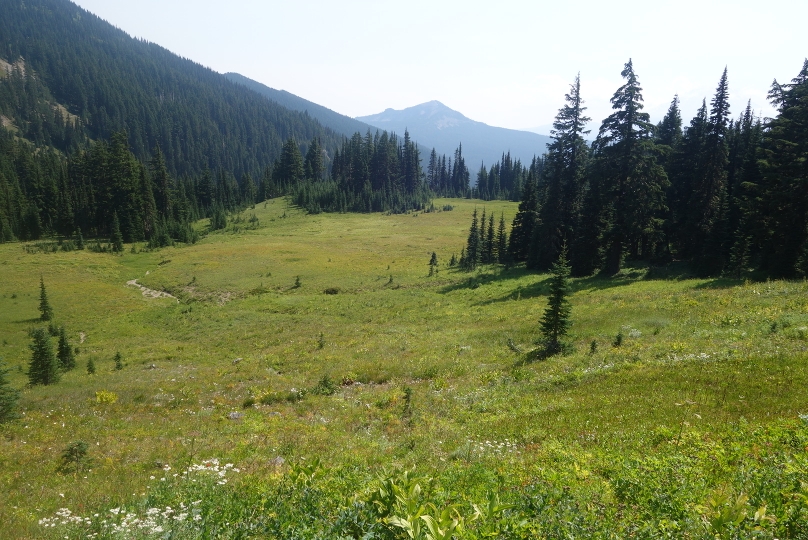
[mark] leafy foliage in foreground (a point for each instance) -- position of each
(747, 482)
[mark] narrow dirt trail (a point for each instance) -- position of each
(150, 293)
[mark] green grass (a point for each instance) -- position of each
(700, 401)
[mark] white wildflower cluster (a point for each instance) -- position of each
(211, 466)
(154, 521)
(632, 332)
(128, 523)
(595, 369)
(493, 447)
(675, 358)
(63, 516)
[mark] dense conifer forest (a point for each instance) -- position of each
(729, 195)
(102, 128)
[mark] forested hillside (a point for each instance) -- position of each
(108, 81)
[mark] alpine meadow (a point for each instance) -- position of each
(223, 317)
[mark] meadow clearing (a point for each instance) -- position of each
(345, 393)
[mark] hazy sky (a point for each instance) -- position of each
(505, 63)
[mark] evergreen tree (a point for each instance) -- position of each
(8, 397)
(433, 264)
(118, 361)
(79, 239)
(669, 130)
(472, 253)
(116, 238)
(632, 178)
(523, 223)
(782, 189)
(483, 235)
(556, 320)
(64, 352)
(90, 366)
(313, 165)
(708, 202)
(502, 241)
(489, 245)
(43, 368)
(45, 309)
(684, 166)
(564, 180)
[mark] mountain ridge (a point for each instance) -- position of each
(434, 124)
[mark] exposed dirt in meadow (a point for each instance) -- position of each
(150, 293)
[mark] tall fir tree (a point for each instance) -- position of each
(564, 179)
(502, 241)
(473, 251)
(489, 244)
(633, 179)
(527, 216)
(708, 203)
(555, 322)
(43, 368)
(783, 183)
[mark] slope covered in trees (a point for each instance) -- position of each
(108, 82)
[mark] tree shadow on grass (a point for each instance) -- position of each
(719, 283)
(541, 287)
(35, 320)
(632, 272)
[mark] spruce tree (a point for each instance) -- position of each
(502, 241)
(556, 320)
(782, 215)
(43, 368)
(8, 396)
(90, 366)
(708, 202)
(116, 238)
(64, 352)
(490, 242)
(79, 239)
(433, 264)
(526, 218)
(118, 361)
(483, 235)
(45, 309)
(564, 179)
(472, 254)
(632, 179)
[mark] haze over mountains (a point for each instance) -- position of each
(433, 124)
(339, 123)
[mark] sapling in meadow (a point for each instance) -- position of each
(74, 458)
(116, 239)
(45, 309)
(433, 264)
(65, 355)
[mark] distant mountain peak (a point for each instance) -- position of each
(433, 113)
(433, 124)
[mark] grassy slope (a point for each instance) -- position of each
(698, 356)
